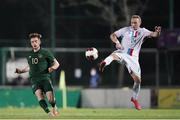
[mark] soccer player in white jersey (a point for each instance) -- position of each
(128, 51)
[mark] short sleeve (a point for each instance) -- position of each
(146, 32)
(120, 32)
(50, 57)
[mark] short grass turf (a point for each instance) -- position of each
(90, 114)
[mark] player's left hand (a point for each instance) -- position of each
(50, 69)
(157, 29)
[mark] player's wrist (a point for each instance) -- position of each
(117, 42)
(51, 69)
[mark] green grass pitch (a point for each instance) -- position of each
(90, 114)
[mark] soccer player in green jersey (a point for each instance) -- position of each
(40, 64)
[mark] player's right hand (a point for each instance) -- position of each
(18, 71)
(119, 46)
(50, 69)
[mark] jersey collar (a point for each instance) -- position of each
(37, 50)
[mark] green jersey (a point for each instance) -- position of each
(39, 62)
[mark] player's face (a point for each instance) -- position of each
(135, 23)
(35, 43)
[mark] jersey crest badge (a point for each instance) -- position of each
(40, 56)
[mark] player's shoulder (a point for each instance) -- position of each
(144, 29)
(48, 53)
(123, 29)
(44, 50)
(30, 53)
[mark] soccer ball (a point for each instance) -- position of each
(91, 53)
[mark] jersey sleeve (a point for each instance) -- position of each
(146, 32)
(49, 56)
(120, 32)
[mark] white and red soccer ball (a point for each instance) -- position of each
(91, 53)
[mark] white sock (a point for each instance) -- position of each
(136, 89)
(108, 60)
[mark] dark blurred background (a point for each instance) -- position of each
(87, 23)
(79, 23)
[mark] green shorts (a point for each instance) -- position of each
(44, 84)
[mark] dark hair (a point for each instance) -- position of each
(32, 35)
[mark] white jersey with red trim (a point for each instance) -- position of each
(132, 39)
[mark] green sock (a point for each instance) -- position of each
(44, 105)
(53, 103)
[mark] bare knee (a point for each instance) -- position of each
(50, 99)
(136, 78)
(50, 96)
(39, 94)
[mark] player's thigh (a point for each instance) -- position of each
(37, 90)
(35, 86)
(116, 56)
(39, 94)
(120, 57)
(48, 89)
(47, 85)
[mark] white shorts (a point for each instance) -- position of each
(131, 62)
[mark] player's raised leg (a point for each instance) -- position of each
(52, 101)
(42, 102)
(107, 61)
(136, 90)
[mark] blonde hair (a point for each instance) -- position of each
(136, 16)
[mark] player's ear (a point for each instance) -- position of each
(40, 41)
(140, 22)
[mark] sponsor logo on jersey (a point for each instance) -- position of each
(40, 56)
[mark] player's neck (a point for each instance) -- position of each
(135, 28)
(36, 50)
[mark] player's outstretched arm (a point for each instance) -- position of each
(19, 71)
(157, 32)
(116, 41)
(54, 66)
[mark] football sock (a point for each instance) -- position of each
(44, 105)
(53, 103)
(108, 60)
(136, 89)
